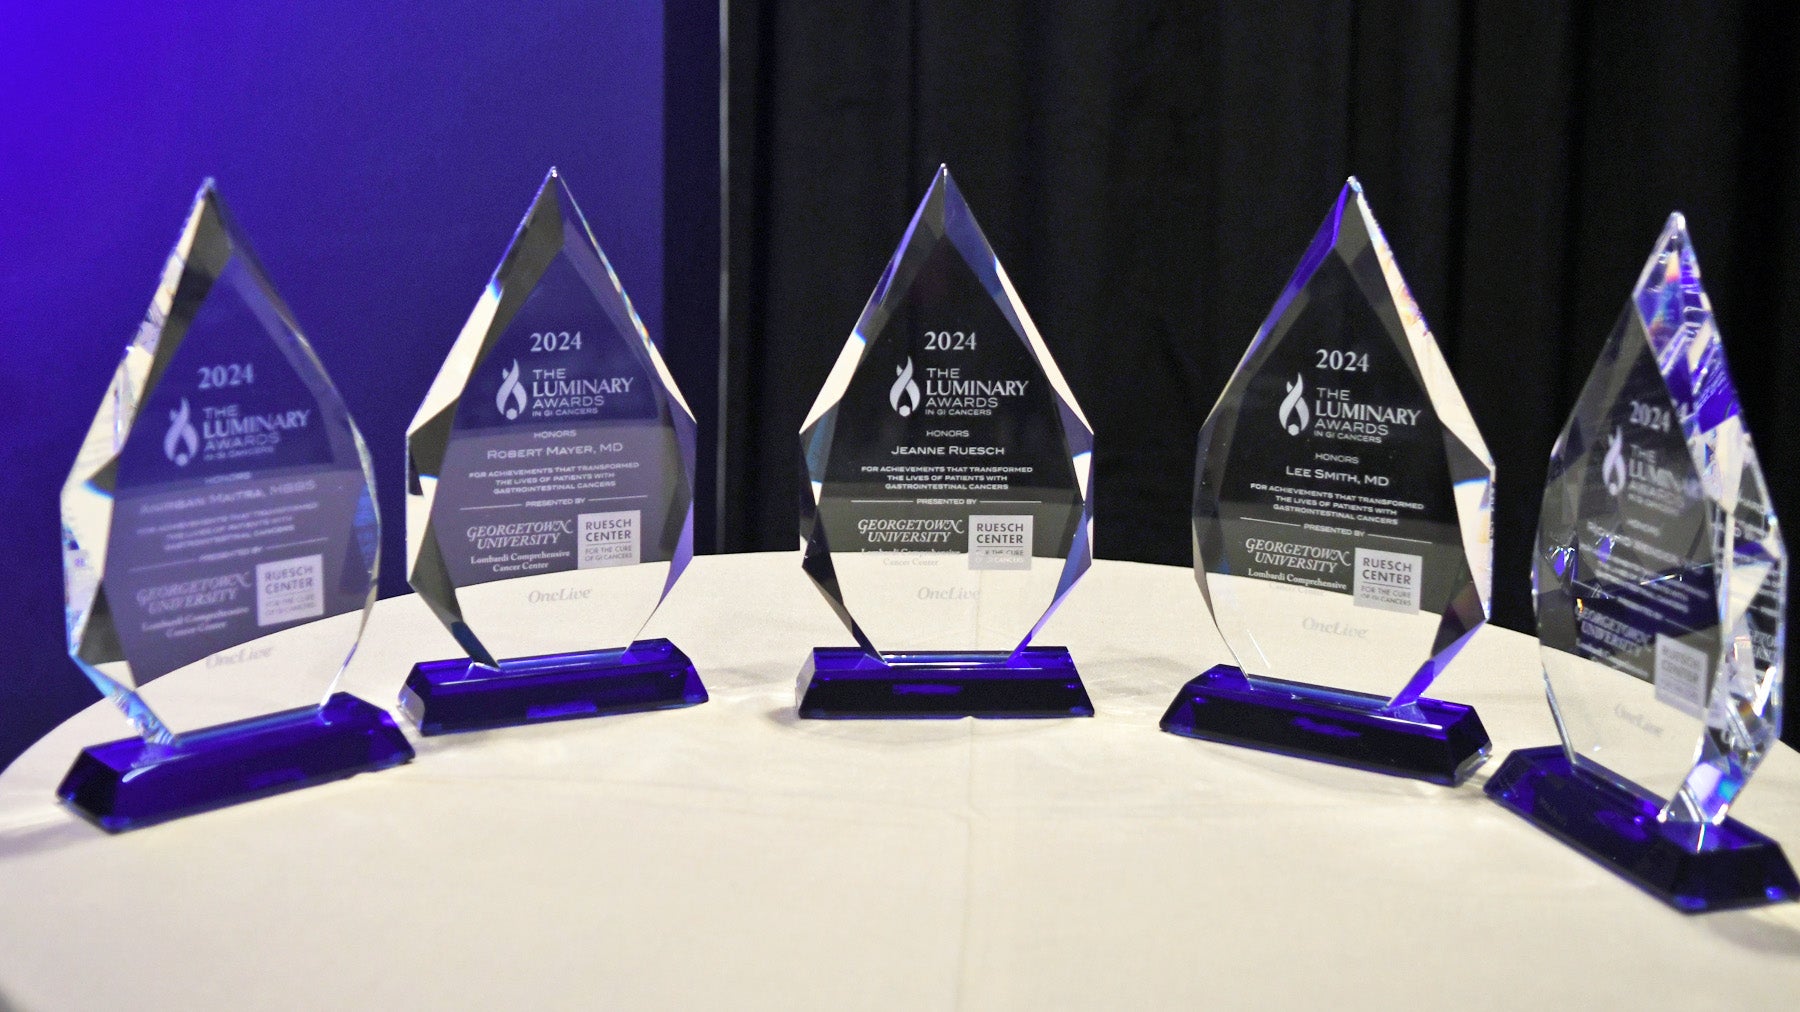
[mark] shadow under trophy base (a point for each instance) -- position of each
(1660, 582)
(944, 506)
(1341, 525)
(550, 502)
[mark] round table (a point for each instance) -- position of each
(731, 855)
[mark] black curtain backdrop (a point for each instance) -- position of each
(1150, 173)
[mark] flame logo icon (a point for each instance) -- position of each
(1612, 469)
(1294, 416)
(511, 390)
(904, 387)
(181, 442)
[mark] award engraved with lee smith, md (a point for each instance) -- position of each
(945, 509)
(550, 495)
(220, 545)
(1660, 581)
(1341, 525)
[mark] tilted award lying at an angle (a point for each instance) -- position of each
(1660, 582)
(1342, 507)
(945, 508)
(550, 495)
(220, 547)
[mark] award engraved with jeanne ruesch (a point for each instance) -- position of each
(1342, 525)
(220, 547)
(945, 475)
(1660, 582)
(550, 495)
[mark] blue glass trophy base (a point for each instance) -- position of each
(1730, 866)
(1430, 740)
(846, 683)
(443, 697)
(130, 783)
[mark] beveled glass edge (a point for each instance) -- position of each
(816, 431)
(428, 433)
(1425, 357)
(1721, 453)
(158, 338)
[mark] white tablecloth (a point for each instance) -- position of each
(730, 855)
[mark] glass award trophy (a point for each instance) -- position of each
(550, 495)
(945, 510)
(220, 544)
(1659, 578)
(1341, 525)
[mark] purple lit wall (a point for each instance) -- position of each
(378, 158)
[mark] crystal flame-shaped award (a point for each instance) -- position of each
(945, 509)
(1341, 525)
(220, 544)
(1659, 577)
(550, 495)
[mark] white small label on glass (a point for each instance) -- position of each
(1388, 580)
(1000, 542)
(609, 539)
(290, 590)
(1680, 676)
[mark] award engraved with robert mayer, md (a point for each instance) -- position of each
(550, 495)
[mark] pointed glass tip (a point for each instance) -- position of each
(1673, 238)
(553, 197)
(1669, 295)
(208, 236)
(943, 201)
(206, 196)
(1353, 185)
(940, 182)
(1673, 244)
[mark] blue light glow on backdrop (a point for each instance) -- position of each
(378, 158)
